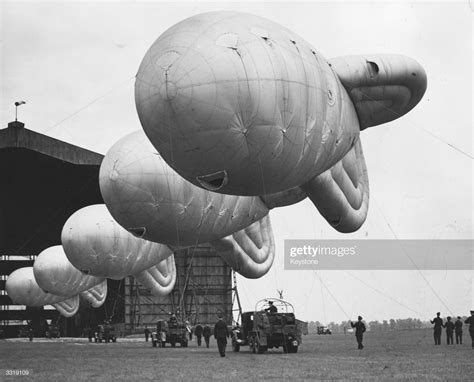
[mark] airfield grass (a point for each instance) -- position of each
(402, 355)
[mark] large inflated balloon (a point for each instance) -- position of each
(55, 274)
(95, 244)
(150, 199)
(23, 289)
(241, 105)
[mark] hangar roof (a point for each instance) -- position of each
(43, 181)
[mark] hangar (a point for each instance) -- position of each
(45, 180)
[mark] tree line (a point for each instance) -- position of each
(378, 326)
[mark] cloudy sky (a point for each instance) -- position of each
(74, 64)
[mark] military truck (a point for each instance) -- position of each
(52, 331)
(324, 330)
(264, 328)
(172, 332)
(106, 333)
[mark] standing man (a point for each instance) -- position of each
(220, 334)
(470, 321)
(458, 330)
(147, 333)
(449, 330)
(30, 334)
(359, 331)
(198, 333)
(206, 332)
(438, 325)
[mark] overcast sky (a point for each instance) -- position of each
(74, 64)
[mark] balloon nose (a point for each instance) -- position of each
(214, 181)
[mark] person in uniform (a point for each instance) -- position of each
(198, 333)
(206, 332)
(449, 330)
(173, 321)
(458, 331)
(470, 321)
(90, 334)
(147, 333)
(30, 334)
(107, 331)
(272, 308)
(438, 325)
(359, 331)
(221, 332)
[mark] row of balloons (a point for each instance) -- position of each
(240, 116)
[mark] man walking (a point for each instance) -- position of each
(147, 333)
(359, 331)
(198, 332)
(458, 331)
(438, 325)
(449, 330)
(206, 333)
(220, 334)
(470, 321)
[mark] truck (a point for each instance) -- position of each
(324, 330)
(267, 327)
(171, 331)
(106, 333)
(52, 331)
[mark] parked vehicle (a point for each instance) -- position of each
(172, 332)
(52, 331)
(106, 333)
(267, 327)
(324, 330)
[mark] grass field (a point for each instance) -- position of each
(403, 355)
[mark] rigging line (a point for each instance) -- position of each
(383, 294)
(409, 257)
(243, 288)
(398, 115)
(115, 87)
(187, 278)
(449, 144)
(322, 300)
(333, 297)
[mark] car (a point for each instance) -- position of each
(106, 333)
(172, 332)
(52, 331)
(324, 330)
(263, 329)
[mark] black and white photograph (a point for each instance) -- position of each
(251, 190)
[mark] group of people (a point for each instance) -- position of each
(221, 333)
(452, 328)
(202, 331)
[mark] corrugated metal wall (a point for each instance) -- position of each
(203, 289)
